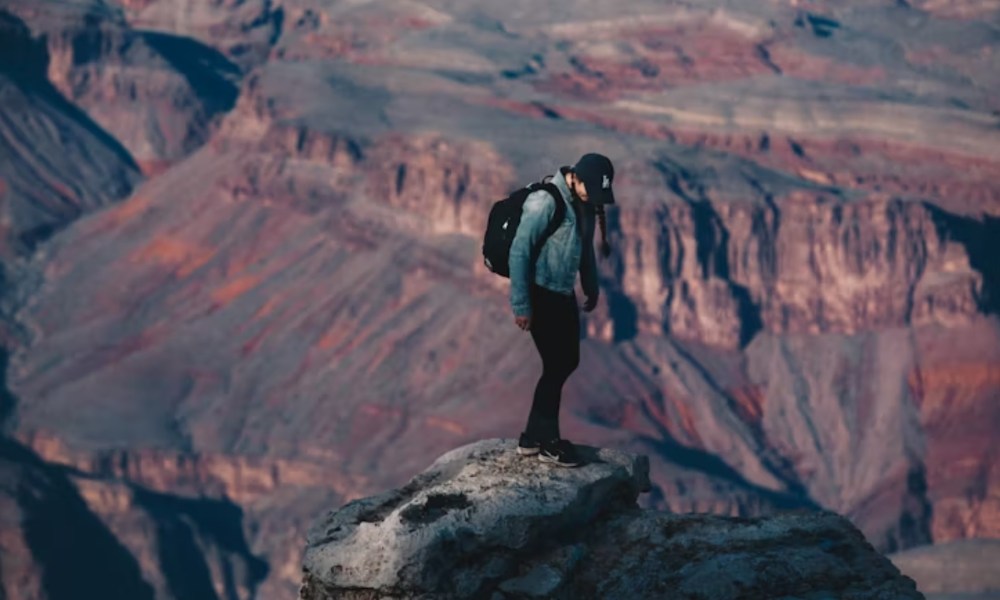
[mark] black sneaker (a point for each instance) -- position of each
(559, 452)
(527, 446)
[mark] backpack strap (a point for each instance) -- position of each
(557, 219)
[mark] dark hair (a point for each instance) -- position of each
(602, 220)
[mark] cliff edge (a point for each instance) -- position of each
(483, 522)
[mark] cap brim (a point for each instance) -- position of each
(599, 195)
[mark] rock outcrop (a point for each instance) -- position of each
(289, 310)
(484, 522)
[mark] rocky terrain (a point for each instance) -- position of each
(484, 522)
(242, 280)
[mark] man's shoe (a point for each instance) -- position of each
(527, 446)
(560, 452)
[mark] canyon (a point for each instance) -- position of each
(243, 286)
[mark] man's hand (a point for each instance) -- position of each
(523, 322)
(590, 304)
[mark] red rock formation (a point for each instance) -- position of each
(963, 9)
(242, 479)
(462, 177)
(696, 50)
(146, 497)
(56, 164)
(243, 30)
(360, 34)
(955, 389)
(805, 263)
(158, 94)
(53, 545)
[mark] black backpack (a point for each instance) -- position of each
(505, 216)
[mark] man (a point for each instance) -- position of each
(542, 291)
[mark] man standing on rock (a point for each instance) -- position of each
(542, 293)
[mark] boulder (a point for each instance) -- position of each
(484, 522)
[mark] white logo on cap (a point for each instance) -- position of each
(606, 183)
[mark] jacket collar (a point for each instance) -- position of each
(560, 182)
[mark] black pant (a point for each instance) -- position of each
(555, 328)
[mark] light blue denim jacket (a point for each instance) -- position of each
(570, 249)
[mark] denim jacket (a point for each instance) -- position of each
(568, 250)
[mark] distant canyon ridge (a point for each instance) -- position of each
(242, 280)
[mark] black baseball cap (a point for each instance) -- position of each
(596, 172)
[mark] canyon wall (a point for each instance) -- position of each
(243, 280)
